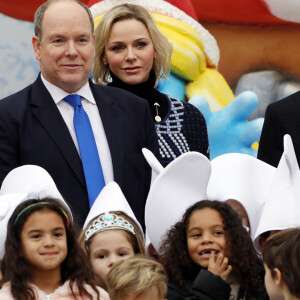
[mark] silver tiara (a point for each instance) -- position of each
(108, 221)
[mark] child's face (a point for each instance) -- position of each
(272, 285)
(152, 294)
(205, 234)
(107, 248)
(44, 241)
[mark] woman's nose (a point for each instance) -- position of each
(130, 54)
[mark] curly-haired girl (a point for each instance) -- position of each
(209, 255)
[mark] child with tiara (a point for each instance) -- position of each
(42, 259)
(215, 256)
(137, 278)
(111, 232)
(281, 257)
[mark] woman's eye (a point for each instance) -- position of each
(116, 48)
(141, 44)
(58, 234)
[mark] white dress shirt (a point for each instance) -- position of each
(90, 107)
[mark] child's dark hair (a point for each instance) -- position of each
(15, 267)
(246, 265)
(282, 251)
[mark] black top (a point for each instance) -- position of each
(207, 286)
(182, 127)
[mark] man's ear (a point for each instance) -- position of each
(36, 47)
(277, 277)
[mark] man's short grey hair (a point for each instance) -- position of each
(39, 15)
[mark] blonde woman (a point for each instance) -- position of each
(132, 54)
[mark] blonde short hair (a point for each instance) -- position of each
(135, 277)
(162, 62)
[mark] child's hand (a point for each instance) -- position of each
(219, 266)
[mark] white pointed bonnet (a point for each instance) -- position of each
(8, 203)
(111, 198)
(153, 162)
(23, 183)
(35, 182)
(182, 183)
(281, 209)
(243, 178)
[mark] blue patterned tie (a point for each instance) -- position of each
(88, 150)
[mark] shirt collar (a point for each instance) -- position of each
(59, 94)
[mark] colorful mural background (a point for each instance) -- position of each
(258, 43)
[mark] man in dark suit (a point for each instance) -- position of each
(36, 124)
(282, 117)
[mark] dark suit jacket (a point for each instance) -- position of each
(32, 131)
(282, 117)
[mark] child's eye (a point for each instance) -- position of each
(196, 234)
(58, 234)
(219, 232)
(35, 236)
(101, 256)
(123, 254)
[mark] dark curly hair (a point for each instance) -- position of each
(15, 267)
(246, 265)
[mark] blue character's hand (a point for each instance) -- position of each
(228, 128)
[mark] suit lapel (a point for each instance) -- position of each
(50, 118)
(112, 123)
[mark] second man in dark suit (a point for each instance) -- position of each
(282, 117)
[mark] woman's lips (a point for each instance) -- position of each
(132, 69)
